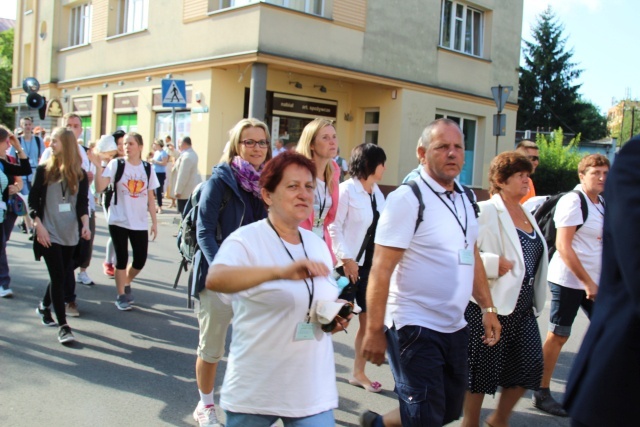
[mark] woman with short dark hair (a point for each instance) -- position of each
(352, 236)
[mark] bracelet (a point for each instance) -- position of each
(489, 310)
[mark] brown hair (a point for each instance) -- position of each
(592, 161)
(66, 165)
(503, 166)
(4, 133)
(274, 169)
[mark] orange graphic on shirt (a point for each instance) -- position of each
(135, 187)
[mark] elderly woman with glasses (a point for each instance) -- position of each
(281, 363)
(229, 199)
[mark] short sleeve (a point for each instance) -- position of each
(110, 170)
(233, 252)
(153, 180)
(397, 222)
(568, 211)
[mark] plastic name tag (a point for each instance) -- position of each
(305, 331)
(64, 207)
(465, 257)
(318, 231)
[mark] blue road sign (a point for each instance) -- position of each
(174, 93)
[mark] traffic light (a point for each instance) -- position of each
(34, 100)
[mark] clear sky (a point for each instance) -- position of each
(600, 32)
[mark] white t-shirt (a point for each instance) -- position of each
(429, 286)
(587, 242)
(268, 372)
(132, 189)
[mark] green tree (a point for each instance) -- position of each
(6, 68)
(548, 93)
(558, 168)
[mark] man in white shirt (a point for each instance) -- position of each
(279, 149)
(424, 277)
(186, 170)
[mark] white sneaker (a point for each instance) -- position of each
(206, 416)
(83, 277)
(6, 293)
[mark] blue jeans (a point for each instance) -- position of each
(236, 419)
(430, 369)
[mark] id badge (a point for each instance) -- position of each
(318, 231)
(64, 207)
(305, 332)
(465, 257)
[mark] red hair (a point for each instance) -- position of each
(274, 169)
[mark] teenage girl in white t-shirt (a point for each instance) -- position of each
(132, 199)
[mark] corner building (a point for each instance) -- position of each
(382, 69)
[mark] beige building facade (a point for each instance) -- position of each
(382, 69)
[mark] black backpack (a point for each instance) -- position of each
(413, 184)
(544, 217)
(110, 193)
(187, 238)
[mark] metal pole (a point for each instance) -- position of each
(173, 127)
(499, 111)
(633, 117)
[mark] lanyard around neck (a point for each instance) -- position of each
(455, 214)
(310, 289)
(322, 203)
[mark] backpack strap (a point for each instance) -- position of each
(119, 173)
(583, 206)
(416, 190)
(472, 198)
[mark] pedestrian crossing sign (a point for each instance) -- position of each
(174, 93)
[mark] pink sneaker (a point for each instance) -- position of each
(108, 269)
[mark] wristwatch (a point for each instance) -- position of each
(489, 310)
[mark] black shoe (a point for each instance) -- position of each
(545, 402)
(367, 418)
(23, 227)
(45, 316)
(64, 335)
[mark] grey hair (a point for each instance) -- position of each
(427, 133)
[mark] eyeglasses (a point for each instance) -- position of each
(534, 158)
(344, 312)
(263, 143)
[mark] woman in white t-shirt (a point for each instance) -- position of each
(319, 143)
(276, 273)
(128, 222)
(574, 269)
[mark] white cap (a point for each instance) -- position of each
(106, 143)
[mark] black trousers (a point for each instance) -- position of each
(60, 263)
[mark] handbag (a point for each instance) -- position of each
(17, 205)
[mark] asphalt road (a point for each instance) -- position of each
(137, 367)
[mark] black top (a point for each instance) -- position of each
(12, 170)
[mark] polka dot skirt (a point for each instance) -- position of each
(516, 360)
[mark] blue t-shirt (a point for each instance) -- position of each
(159, 156)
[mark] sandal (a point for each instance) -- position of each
(373, 387)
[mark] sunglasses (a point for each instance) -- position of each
(534, 158)
(344, 312)
(263, 143)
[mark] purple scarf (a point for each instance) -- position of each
(247, 175)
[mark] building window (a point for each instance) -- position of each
(132, 15)
(164, 124)
(127, 122)
(86, 129)
(461, 28)
(80, 25)
(314, 7)
(371, 126)
(468, 127)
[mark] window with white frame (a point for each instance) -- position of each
(80, 25)
(461, 28)
(314, 7)
(371, 126)
(133, 15)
